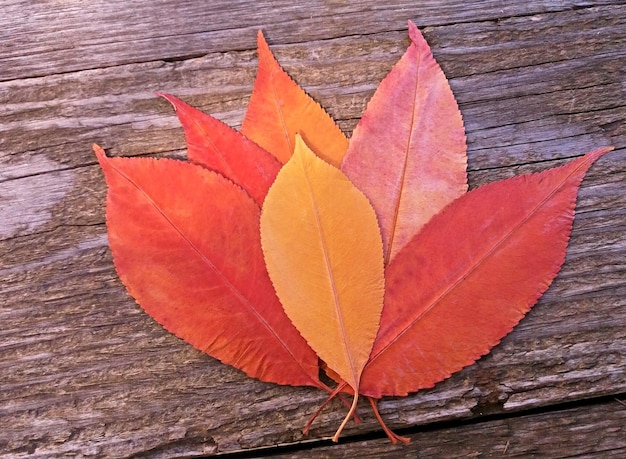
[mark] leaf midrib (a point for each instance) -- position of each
(329, 270)
(396, 213)
(478, 263)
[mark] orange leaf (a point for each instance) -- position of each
(196, 266)
(407, 154)
(219, 147)
(279, 109)
(323, 252)
(470, 275)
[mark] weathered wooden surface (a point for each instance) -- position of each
(83, 372)
(598, 430)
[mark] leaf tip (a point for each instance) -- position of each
(99, 151)
(178, 104)
(171, 99)
(261, 42)
(299, 141)
(416, 36)
(301, 148)
(599, 152)
(587, 160)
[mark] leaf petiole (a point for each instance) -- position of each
(333, 394)
(395, 438)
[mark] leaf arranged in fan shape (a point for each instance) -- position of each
(186, 245)
(470, 275)
(408, 153)
(386, 314)
(323, 251)
(279, 109)
(219, 147)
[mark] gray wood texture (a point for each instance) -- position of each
(598, 430)
(85, 373)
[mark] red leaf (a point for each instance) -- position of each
(186, 245)
(470, 275)
(219, 147)
(407, 154)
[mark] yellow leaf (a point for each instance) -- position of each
(324, 254)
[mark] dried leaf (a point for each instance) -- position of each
(461, 269)
(279, 109)
(323, 252)
(407, 153)
(186, 245)
(219, 147)
(470, 275)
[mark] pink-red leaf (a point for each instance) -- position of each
(219, 147)
(470, 275)
(186, 245)
(407, 154)
(279, 109)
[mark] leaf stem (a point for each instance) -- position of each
(333, 394)
(348, 416)
(395, 438)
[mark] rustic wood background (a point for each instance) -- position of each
(85, 373)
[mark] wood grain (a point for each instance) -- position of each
(83, 372)
(594, 431)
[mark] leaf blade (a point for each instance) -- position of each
(279, 109)
(408, 153)
(215, 145)
(195, 265)
(522, 245)
(323, 249)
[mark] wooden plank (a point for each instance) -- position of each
(84, 371)
(590, 431)
(39, 40)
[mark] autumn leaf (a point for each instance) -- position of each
(279, 109)
(186, 245)
(470, 275)
(407, 153)
(219, 147)
(323, 252)
(390, 276)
